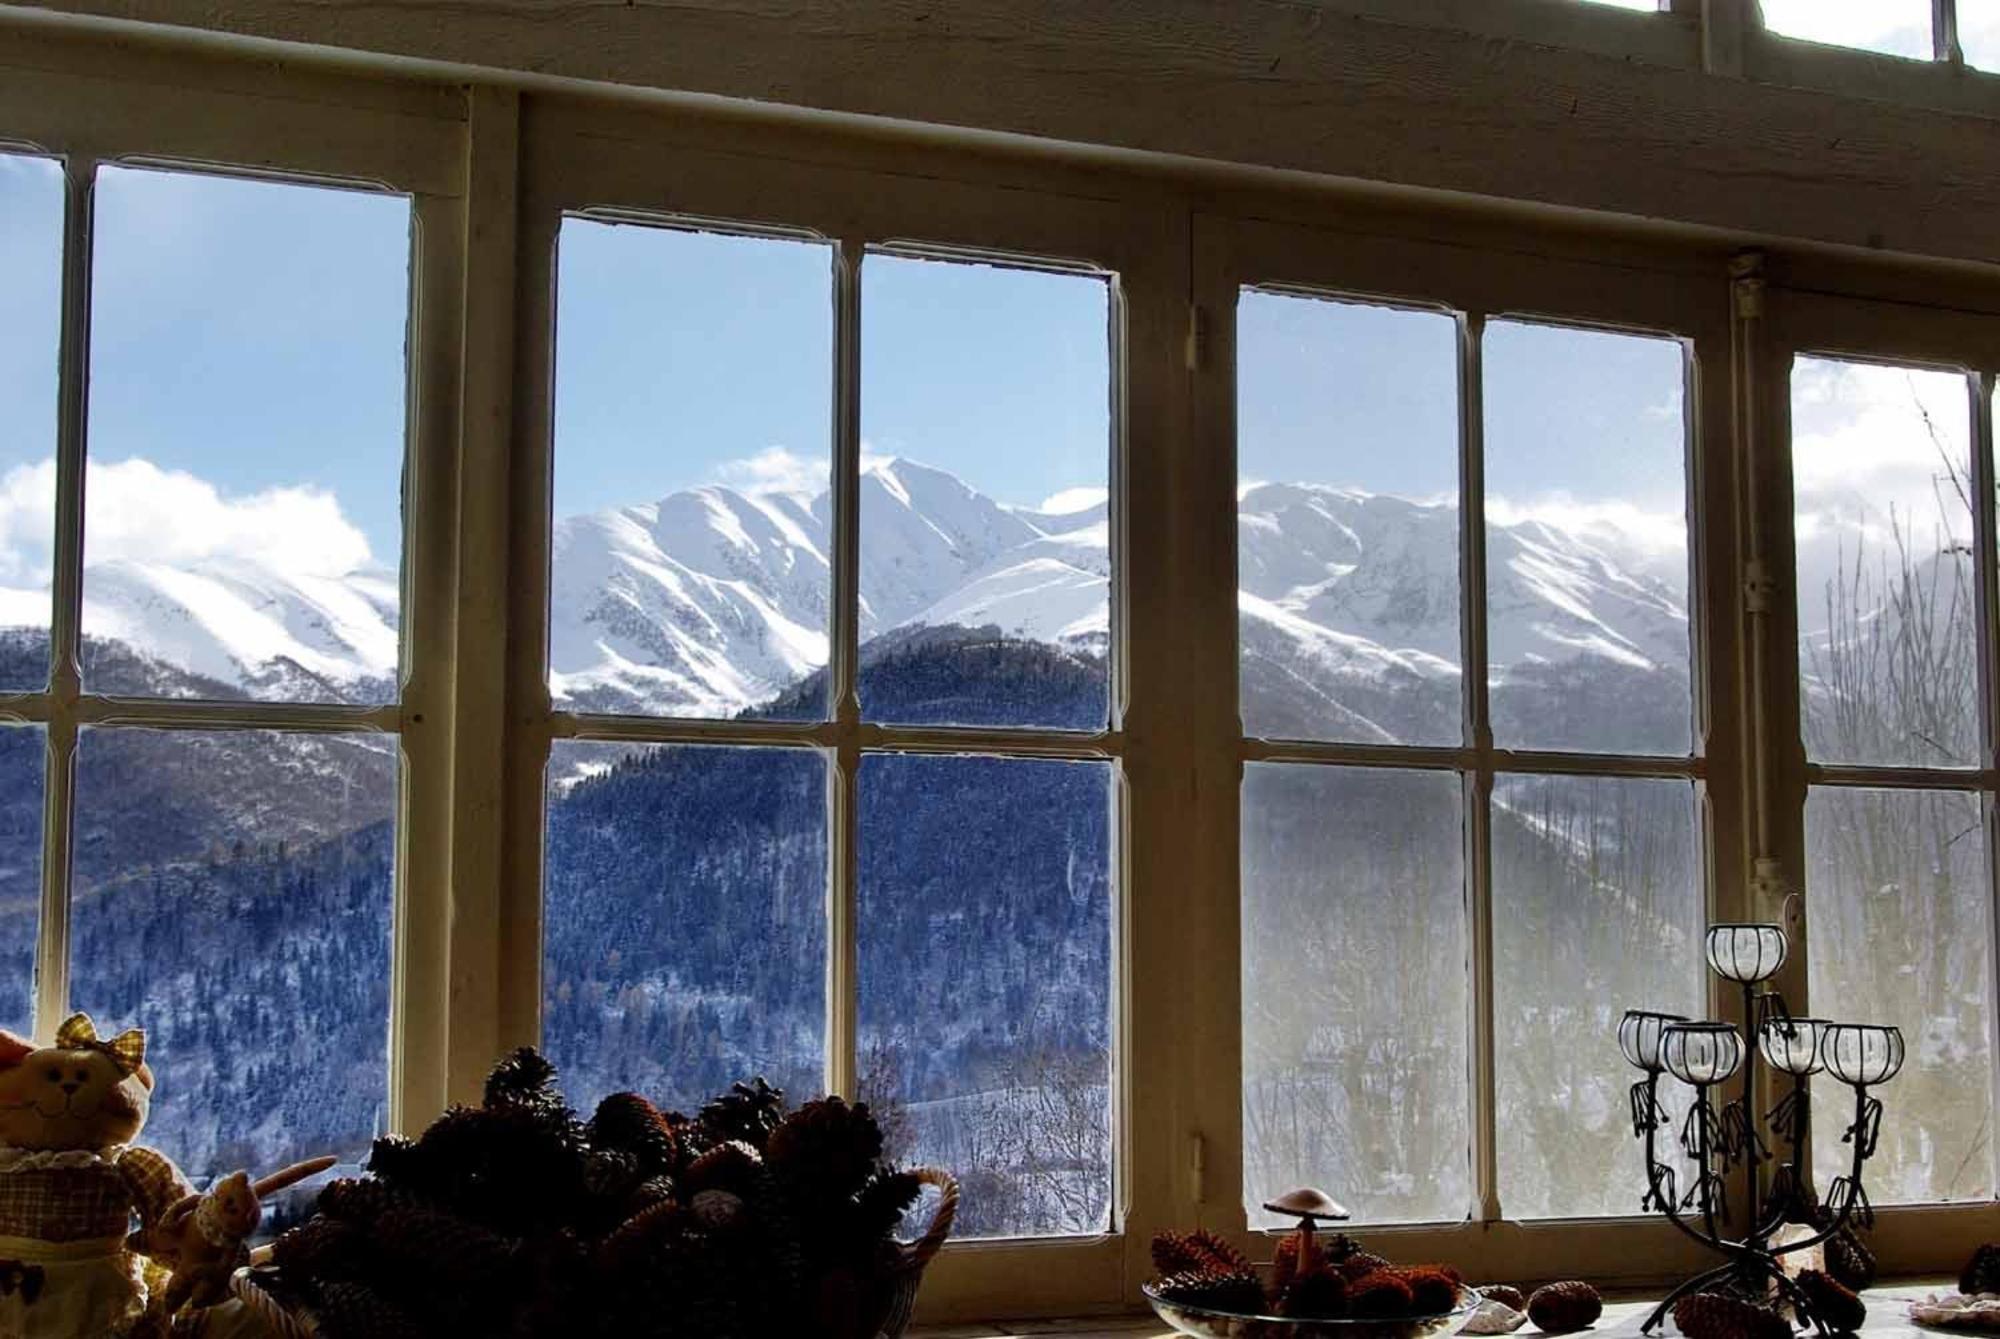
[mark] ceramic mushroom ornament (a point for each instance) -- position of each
(1310, 1207)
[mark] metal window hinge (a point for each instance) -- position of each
(1746, 274)
(1760, 588)
(1197, 338)
(1197, 1167)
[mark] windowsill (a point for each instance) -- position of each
(1888, 1314)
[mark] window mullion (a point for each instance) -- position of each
(1479, 780)
(1986, 577)
(1944, 32)
(65, 629)
(843, 897)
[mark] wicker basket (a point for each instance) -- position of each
(899, 1286)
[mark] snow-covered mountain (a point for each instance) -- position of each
(712, 600)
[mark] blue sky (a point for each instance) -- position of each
(252, 335)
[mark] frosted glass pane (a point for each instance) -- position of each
(684, 921)
(1597, 908)
(985, 976)
(693, 524)
(1896, 27)
(233, 898)
(1881, 466)
(1347, 521)
(985, 475)
(1900, 906)
(1979, 33)
(31, 258)
(1586, 540)
(243, 531)
(1354, 991)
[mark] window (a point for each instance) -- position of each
(1427, 758)
(1979, 33)
(822, 878)
(217, 689)
(1894, 27)
(1892, 653)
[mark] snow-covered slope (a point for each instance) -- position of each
(713, 599)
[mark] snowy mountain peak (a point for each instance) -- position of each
(714, 599)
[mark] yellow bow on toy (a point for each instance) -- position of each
(127, 1050)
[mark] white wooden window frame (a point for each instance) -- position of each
(1639, 294)
(1787, 321)
(491, 172)
(87, 110)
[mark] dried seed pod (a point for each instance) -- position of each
(1317, 1294)
(1433, 1288)
(1358, 1265)
(1237, 1293)
(1382, 1295)
(1982, 1272)
(1506, 1294)
(1563, 1307)
(1832, 1301)
(1714, 1316)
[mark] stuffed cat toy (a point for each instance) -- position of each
(72, 1180)
(205, 1239)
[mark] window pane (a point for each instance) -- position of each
(232, 897)
(985, 978)
(22, 750)
(685, 921)
(1354, 990)
(1586, 540)
(1897, 27)
(1887, 614)
(1597, 908)
(986, 449)
(243, 528)
(693, 411)
(31, 258)
(1979, 33)
(1347, 521)
(1899, 915)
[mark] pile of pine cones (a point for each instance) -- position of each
(1336, 1280)
(516, 1218)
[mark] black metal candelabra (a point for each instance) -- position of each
(1718, 1140)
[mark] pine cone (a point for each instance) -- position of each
(356, 1201)
(356, 1311)
(524, 1078)
(320, 1248)
(826, 1148)
(1715, 1316)
(1380, 1296)
(610, 1173)
(1183, 1253)
(1562, 1307)
(1982, 1272)
(1360, 1264)
(1317, 1294)
(414, 1240)
(1831, 1301)
(1237, 1293)
(1433, 1288)
(1848, 1258)
(748, 1111)
(728, 1166)
(1506, 1294)
(628, 1123)
(879, 1208)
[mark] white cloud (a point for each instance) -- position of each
(1899, 26)
(774, 470)
(137, 511)
(1653, 534)
(1073, 500)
